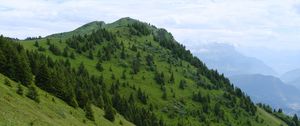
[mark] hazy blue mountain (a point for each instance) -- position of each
(227, 60)
(292, 77)
(270, 90)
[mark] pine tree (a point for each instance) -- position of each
(123, 75)
(109, 113)
(182, 84)
(20, 89)
(7, 82)
(66, 52)
(91, 55)
(72, 55)
(172, 80)
(99, 67)
(89, 112)
(135, 65)
(32, 94)
(123, 55)
(36, 44)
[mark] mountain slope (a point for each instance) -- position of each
(139, 71)
(18, 110)
(270, 90)
(227, 60)
(292, 78)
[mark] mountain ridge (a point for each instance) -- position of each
(141, 73)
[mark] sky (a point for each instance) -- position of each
(272, 25)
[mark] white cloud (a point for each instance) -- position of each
(239, 22)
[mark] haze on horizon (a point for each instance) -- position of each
(266, 29)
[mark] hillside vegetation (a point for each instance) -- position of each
(129, 68)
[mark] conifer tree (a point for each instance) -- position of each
(36, 44)
(109, 113)
(19, 89)
(172, 80)
(99, 67)
(32, 93)
(91, 55)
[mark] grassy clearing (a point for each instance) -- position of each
(17, 110)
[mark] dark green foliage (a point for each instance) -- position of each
(42, 49)
(72, 56)
(32, 94)
(150, 62)
(99, 67)
(182, 84)
(295, 119)
(66, 52)
(7, 82)
(291, 121)
(20, 89)
(48, 41)
(133, 48)
(123, 55)
(91, 55)
(164, 96)
(172, 79)
(54, 49)
(142, 96)
(159, 78)
(123, 75)
(89, 112)
(36, 44)
(139, 29)
(135, 65)
(109, 113)
(13, 61)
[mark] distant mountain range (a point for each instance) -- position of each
(270, 90)
(253, 76)
(292, 78)
(227, 60)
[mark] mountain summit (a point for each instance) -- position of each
(128, 71)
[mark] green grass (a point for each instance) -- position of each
(271, 120)
(147, 84)
(17, 110)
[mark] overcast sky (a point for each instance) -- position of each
(272, 24)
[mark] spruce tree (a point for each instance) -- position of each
(172, 80)
(109, 113)
(33, 94)
(36, 44)
(99, 67)
(91, 55)
(72, 56)
(20, 89)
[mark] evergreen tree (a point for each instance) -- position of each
(66, 52)
(32, 94)
(72, 55)
(19, 89)
(172, 80)
(89, 112)
(109, 113)
(159, 78)
(123, 75)
(135, 65)
(7, 82)
(99, 67)
(36, 44)
(295, 119)
(91, 55)
(123, 55)
(182, 84)
(164, 96)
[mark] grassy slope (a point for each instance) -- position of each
(148, 84)
(19, 110)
